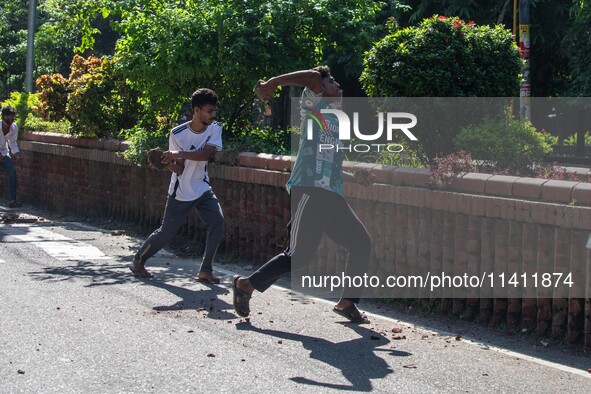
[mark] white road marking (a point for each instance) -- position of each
(55, 245)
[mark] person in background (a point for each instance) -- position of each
(8, 151)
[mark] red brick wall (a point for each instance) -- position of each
(480, 221)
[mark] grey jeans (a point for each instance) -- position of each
(209, 210)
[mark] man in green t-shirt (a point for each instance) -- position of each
(316, 189)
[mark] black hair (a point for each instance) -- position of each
(8, 110)
(202, 97)
(323, 70)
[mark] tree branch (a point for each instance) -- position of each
(503, 12)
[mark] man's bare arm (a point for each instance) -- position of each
(304, 78)
(176, 166)
(203, 155)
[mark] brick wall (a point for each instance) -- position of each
(480, 221)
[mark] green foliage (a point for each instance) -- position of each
(399, 160)
(100, 100)
(401, 155)
(578, 40)
(330, 31)
(34, 123)
(506, 144)
(53, 96)
(24, 103)
(141, 140)
(168, 50)
(88, 91)
(572, 139)
(550, 23)
(550, 49)
(444, 57)
(549, 138)
(75, 21)
(484, 12)
(260, 140)
(13, 37)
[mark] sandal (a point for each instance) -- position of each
(240, 299)
(208, 278)
(352, 314)
(139, 271)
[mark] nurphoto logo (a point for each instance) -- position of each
(393, 122)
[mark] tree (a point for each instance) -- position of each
(551, 46)
(482, 12)
(168, 51)
(13, 38)
(444, 57)
(63, 27)
(579, 46)
(550, 55)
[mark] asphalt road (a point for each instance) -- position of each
(73, 319)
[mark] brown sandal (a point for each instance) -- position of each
(208, 278)
(352, 314)
(139, 270)
(240, 299)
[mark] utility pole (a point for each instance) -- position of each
(525, 51)
(30, 44)
(515, 36)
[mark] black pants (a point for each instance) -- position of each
(175, 215)
(314, 212)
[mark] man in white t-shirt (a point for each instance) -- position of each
(8, 139)
(192, 145)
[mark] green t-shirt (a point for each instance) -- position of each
(318, 163)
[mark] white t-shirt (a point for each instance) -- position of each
(9, 140)
(194, 181)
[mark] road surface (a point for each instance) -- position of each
(73, 319)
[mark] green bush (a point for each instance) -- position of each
(100, 102)
(168, 51)
(504, 144)
(444, 57)
(34, 123)
(24, 103)
(53, 96)
(260, 140)
(549, 138)
(141, 140)
(572, 139)
(401, 156)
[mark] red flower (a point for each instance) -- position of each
(442, 18)
(472, 23)
(457, 24)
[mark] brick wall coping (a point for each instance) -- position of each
(566, 192)
(537, 189)
(71, 140)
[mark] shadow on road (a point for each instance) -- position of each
(208, 300)
(99, 274)
(191, 294)
(356, 359)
